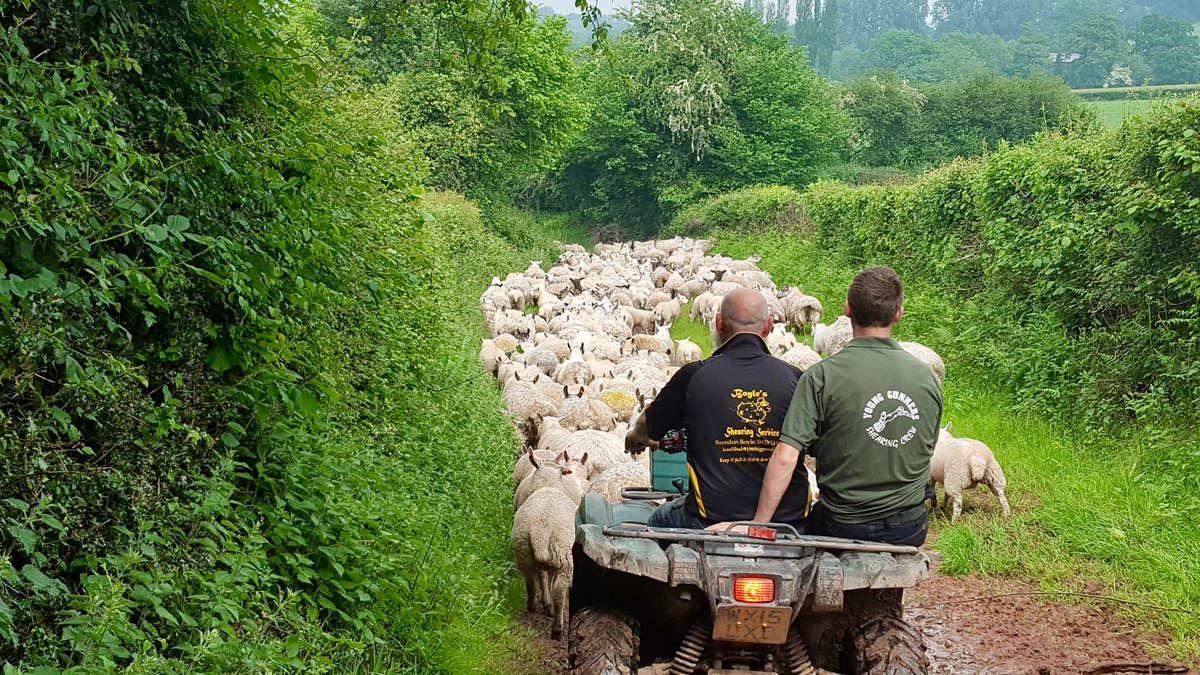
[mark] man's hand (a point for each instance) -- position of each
(638, 438)
(635, 444)
(720, 528)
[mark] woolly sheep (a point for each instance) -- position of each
(491, 356)
(831, 339)
(560, 473)
(801, 356)
(962, 463)
(506, 342)
(639, 320)
(665, 313)
(927, 356)
(801, 310)
(686, 352)
(610, 482)
(577, 414)
(596, 450)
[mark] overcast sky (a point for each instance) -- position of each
(568, 6)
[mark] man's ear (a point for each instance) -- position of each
(720, 324)
(899, 315)
(846, 310)
(769, 327)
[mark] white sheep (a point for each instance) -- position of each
(543, 537)
(561, 473)
(962, 463)
(927, 356)
(611, 481)
(596, 450)
(578, 413)
(831, 339)
(802, 356)
(686, 352)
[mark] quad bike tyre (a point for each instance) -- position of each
(887, 645)
(603, 642)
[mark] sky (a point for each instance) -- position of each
(568, 6)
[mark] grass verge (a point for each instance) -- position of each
(1117, 505)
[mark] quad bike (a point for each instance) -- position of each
(664, 601)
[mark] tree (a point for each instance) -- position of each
(698, 97)
(1101, 44)
(1170, 48)
(860, 20)
(816, 29)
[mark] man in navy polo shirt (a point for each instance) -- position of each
(732, 406)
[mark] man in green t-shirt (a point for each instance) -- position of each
(869, 415)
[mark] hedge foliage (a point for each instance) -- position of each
(754, 209)
(223, 306)
(1090, 241)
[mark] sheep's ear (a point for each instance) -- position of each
(948, 425)
(562, 456)
(534, 460)
(566, 391)
(583, 459)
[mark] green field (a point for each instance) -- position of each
(1114, 112)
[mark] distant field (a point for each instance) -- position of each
(1114, 112)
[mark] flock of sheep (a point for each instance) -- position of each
(578, 371)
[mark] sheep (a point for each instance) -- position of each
(801, 356)
(780, 340)
(962, 463)
(639, 320)
(626, 474)
(491, 356)
(928, 357)
(551, 434)
(526, 406)
(665, 313)
(831, 339)
(802, 310)
(524, 466)
(561, 473)
(541, 539)
(622, 403)
(686, 352)
(506, 342)
(543, 359)
(596, 450)
(577, 413)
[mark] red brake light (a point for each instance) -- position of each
(754, 589)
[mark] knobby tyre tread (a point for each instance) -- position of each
(602, 642)
(888, 645)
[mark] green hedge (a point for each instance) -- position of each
(1095, 233)
(752, 208)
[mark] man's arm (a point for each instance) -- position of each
(638, 438)
(776, 481)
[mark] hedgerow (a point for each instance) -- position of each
(224, 307)
(1096, 232)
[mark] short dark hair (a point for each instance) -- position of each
(875, 296)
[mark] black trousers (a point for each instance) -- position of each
(907, 527)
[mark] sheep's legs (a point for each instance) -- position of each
(545, 597)
(957, 507)
(560, 596)
(532, 591)
(999, 492)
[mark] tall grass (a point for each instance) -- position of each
(1117, 505)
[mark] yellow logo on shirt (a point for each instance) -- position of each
(755, 409)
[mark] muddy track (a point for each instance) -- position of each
(1009, 635)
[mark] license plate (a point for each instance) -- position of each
(762, 625)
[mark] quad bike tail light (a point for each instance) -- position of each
(756, 590)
